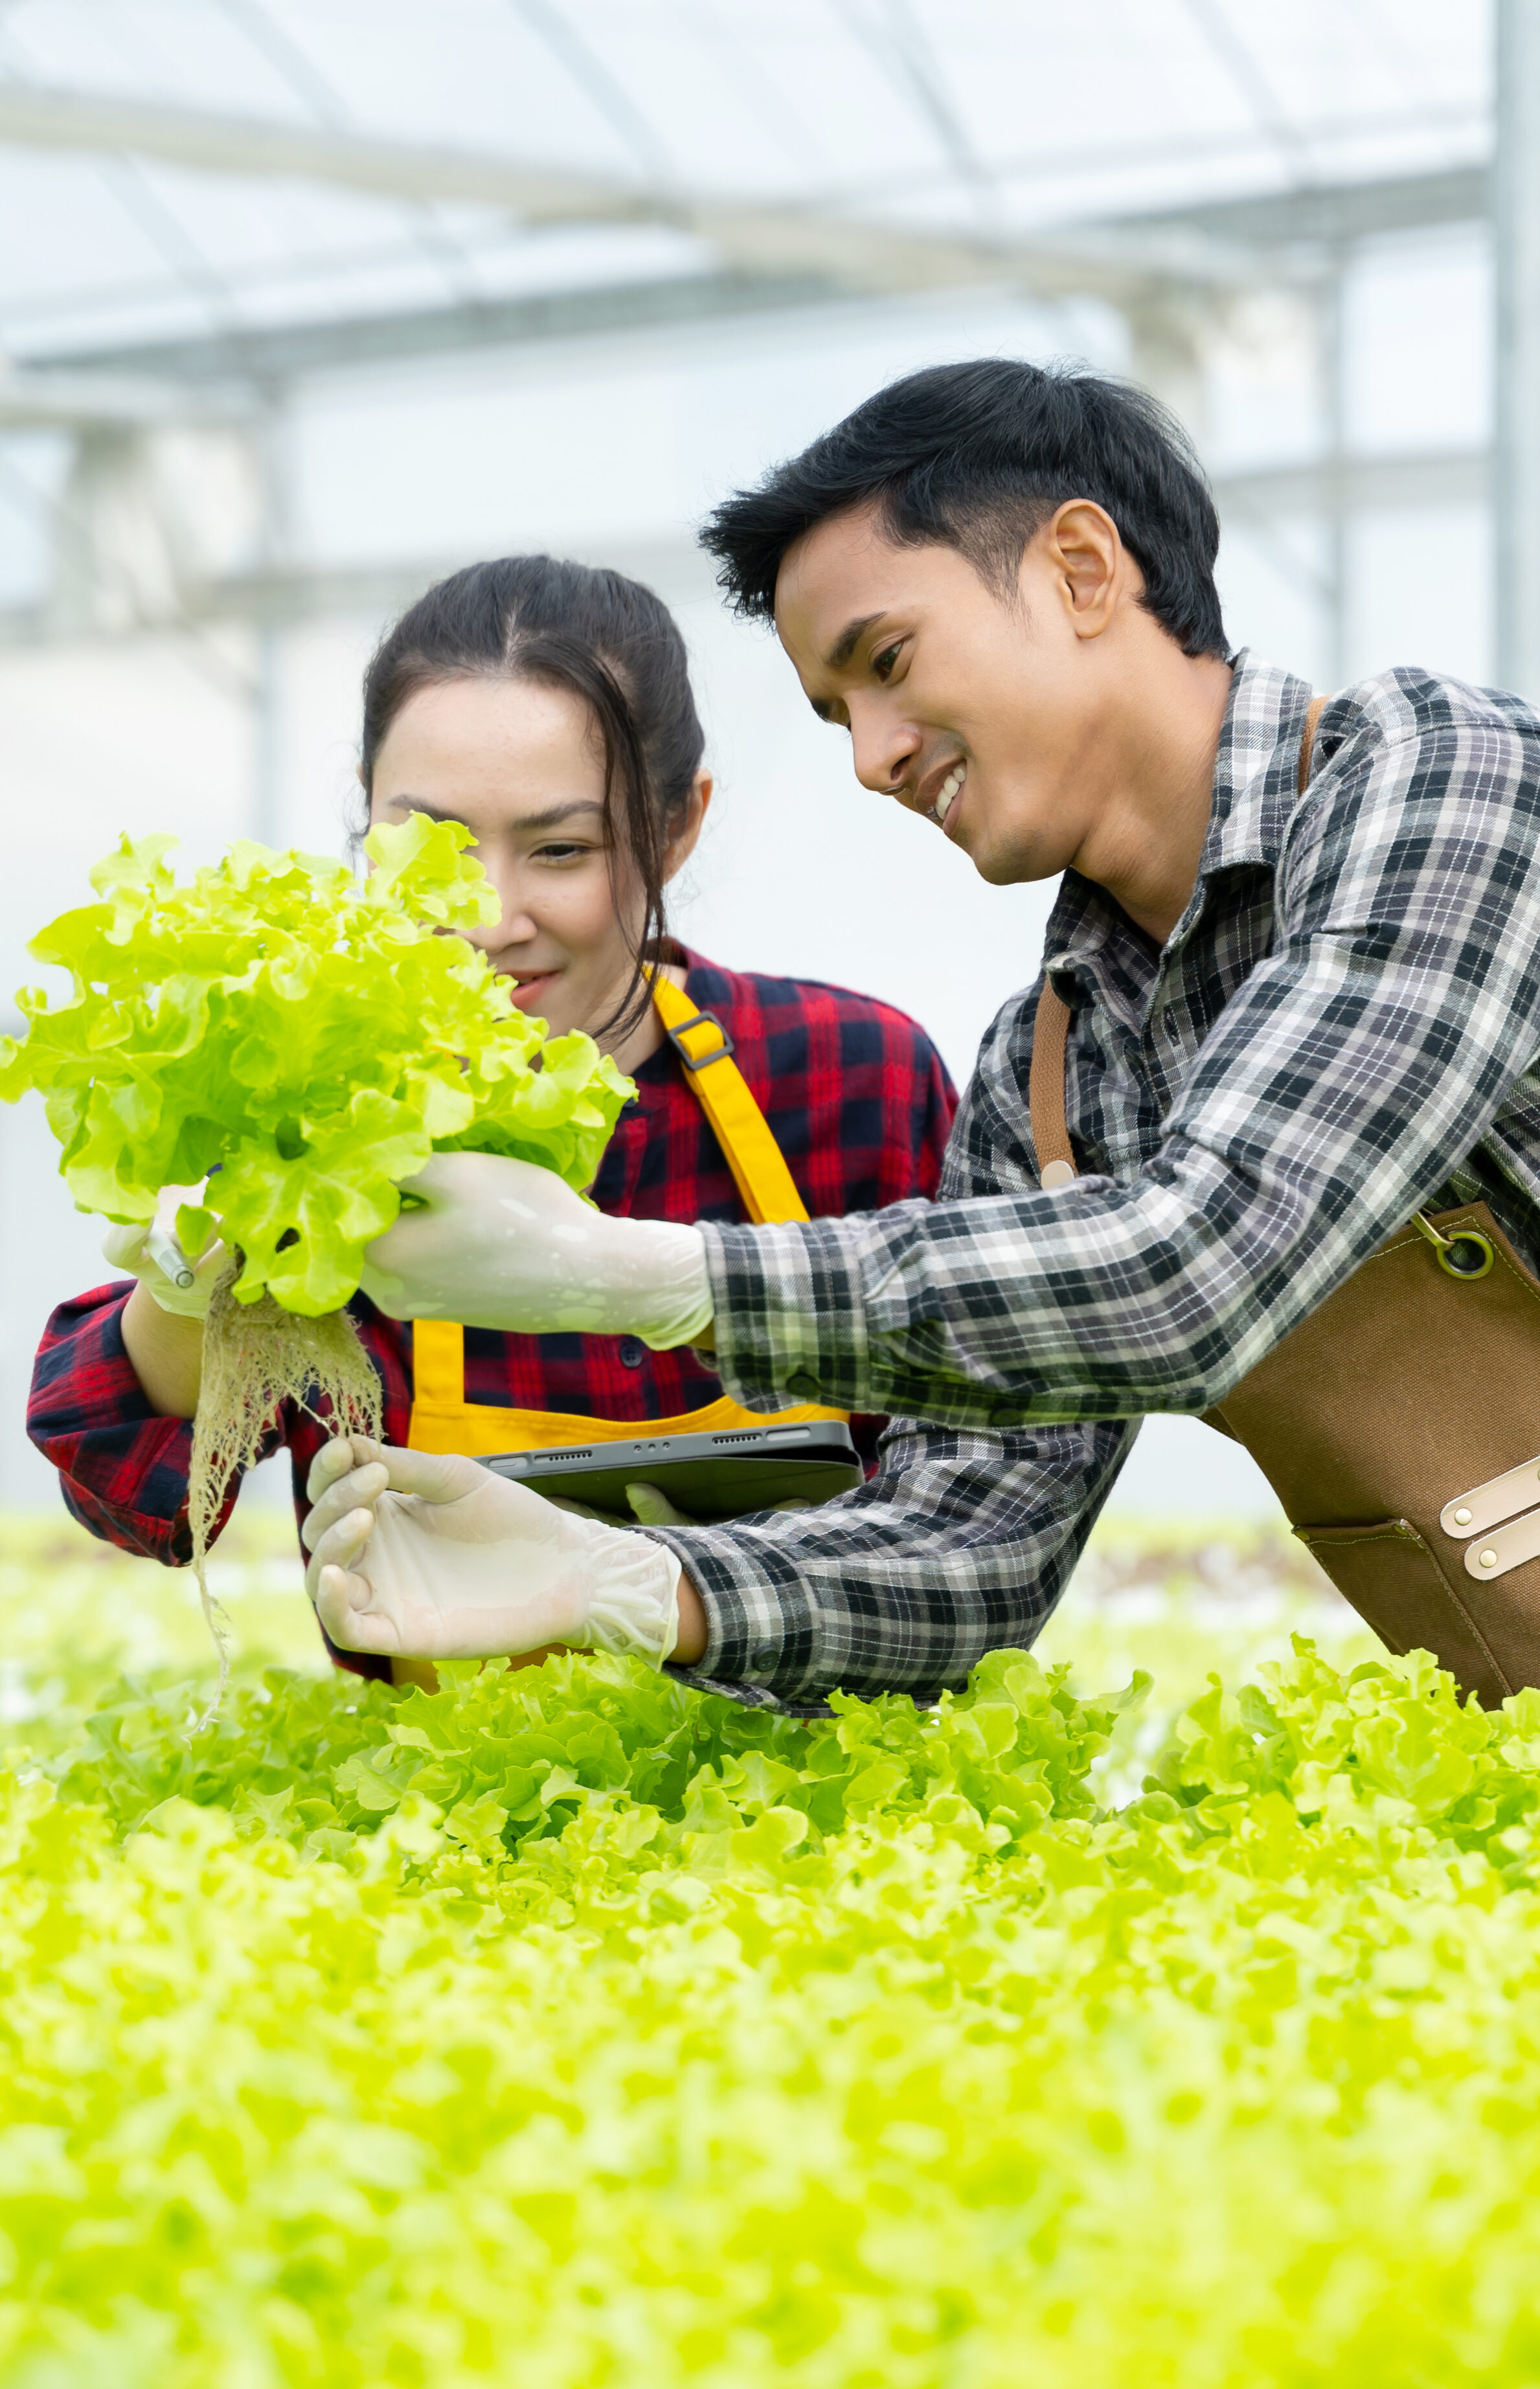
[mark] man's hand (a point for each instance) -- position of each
(148, 1252)
(495, 1242)
(438, 1558)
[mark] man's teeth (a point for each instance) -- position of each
(949, 787)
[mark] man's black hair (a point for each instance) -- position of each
(976, 457)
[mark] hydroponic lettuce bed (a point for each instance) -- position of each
(571, 2028)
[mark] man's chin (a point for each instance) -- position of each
(1006, 867)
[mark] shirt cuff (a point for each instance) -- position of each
(760, 1639)
(790, 1319)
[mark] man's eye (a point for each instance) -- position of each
(883, 665)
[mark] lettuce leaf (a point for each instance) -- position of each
(307, 1040)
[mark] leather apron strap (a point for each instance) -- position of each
(441, 1418)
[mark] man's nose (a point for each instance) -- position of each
(882, 749)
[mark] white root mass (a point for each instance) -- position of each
(256, 1357)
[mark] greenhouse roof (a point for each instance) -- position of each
(191, 172)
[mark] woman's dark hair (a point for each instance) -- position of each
(608, 640)
(976, 457)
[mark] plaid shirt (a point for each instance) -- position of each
(859, 1103)
(1341, 1029)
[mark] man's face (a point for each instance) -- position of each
(979, 714)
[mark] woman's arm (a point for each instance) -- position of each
(167, 1355)
(122, 1468)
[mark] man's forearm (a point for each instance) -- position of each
(690, 1641)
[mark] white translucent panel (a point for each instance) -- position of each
(1422, 584)
(972, 116)
(1271, 580)
(1262, 384)
(630, 438)
(1419, 346)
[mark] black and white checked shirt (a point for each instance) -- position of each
(1343, 1028)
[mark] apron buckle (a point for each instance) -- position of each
(679, 1029)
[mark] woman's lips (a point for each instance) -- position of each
(530, 988)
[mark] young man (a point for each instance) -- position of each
(1304, 1003)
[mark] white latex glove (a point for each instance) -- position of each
(151, 1253)
(500, 1243)
(437, 1558)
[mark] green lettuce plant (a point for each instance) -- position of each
(308, 1039)
(577, 2027)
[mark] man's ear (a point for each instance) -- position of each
(1089, 563)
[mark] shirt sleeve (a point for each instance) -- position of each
(962, 1543)
(1359, 1063)
(122, 1468)
(920, 1105)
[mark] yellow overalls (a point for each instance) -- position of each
(441, 1418)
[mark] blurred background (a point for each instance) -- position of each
(303, 303)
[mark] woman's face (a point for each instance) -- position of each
(522, 767)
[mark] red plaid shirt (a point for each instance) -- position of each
(858, 1101)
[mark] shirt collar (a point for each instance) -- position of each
(1257, 769)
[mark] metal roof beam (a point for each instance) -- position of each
(1324, 212)
(87, 401)
(34, 116)
(268, 354)
(762, 238)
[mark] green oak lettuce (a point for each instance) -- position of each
(576, 2027)
(308, 1038)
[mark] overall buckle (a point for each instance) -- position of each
(703, 1061)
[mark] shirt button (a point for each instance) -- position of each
(802, 1383)
(762, 1658)
(632, 1352)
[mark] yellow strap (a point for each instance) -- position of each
(441, 1418)
(755, 1160)
(437, 1368)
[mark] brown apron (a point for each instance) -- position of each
(1399, 1424)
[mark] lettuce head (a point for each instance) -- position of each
(302, 1042)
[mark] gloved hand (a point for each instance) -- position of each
(149, 1252)
(437, 1558)
(502, 1243)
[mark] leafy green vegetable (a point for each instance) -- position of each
(308, 1039)
(575, 2028)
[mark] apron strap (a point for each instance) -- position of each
(438, 1367)
(755, 1160)
(1045, 1093)
(1045, 1090)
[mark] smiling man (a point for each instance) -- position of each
(1290, 1017)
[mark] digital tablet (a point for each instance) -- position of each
(708, 1475)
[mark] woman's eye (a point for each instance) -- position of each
(883, 665)
(562, 853)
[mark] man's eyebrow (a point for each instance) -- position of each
(553, 815)
(844, 648)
